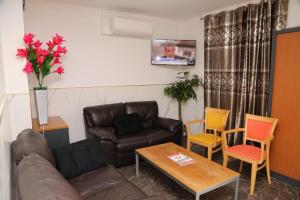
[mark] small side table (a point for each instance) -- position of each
(56, 131)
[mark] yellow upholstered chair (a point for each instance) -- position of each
(215, 120)
(258, 129)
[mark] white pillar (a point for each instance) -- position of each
(15, 81)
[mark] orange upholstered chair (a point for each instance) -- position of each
(258, 129)
(215, 120)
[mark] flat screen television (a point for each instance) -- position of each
(173, 52)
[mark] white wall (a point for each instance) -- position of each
(293, 19)
(104, 69)
(94, 59)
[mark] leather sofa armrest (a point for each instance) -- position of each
(167, 124)
(172, 125)
(103, 134)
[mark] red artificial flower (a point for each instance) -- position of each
(37, 44)
(50, 44)
(55, 61)
(40, 60)
(39, 55)
(62, 49)
(59, 70)
(42, 52)
(28, 38)
(56, 54)
(22, 52)
(57, 39)
(28, 68)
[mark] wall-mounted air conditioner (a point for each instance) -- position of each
(122, 26)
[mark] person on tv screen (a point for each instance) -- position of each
(170, 53)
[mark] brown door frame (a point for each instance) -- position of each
(273, 53)
(269, 108)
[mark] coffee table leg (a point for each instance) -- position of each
(137, 165)
(236, 193)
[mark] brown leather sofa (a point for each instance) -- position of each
(34, 176)
(120, 149)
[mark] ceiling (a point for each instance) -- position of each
(172, 9)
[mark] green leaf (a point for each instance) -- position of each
(183, 89)
(46, 67)
(31, 55)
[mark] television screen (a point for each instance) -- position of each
(173, 52)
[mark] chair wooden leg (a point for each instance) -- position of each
(268, 171)
(241, 166)
(188, 145)
(225, 160)
(209, 153)
(253, 178)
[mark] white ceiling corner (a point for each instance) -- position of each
(171, 9)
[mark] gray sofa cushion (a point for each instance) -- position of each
(39, 180)
(119, 191)
(29, 141)
(97, 180)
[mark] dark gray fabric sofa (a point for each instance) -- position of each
(35, 177)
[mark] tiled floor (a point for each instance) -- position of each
(152, 182)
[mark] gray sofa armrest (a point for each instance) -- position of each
(103, 134)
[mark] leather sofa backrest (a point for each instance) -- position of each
(102, 115)
(38, 180)
(29, 141)
(147, 111)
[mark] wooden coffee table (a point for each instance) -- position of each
(200, 177)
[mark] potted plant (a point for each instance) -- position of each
(42, 62)
(183, 89)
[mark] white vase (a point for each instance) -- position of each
(41, 101)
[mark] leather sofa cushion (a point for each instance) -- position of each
(103, 115)
(79, 157)
(29, 141)
(130, 142)
(39, 180)
(147, 110)
(120, 191)
(157, 136)
(128, 123)
(97, 180)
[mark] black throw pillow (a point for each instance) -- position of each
(79, 157)
(128, 123)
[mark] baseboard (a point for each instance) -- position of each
(287, 179)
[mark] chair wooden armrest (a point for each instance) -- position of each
(188, 123)
(233, 131)
(225, 133)
(266, 141)
(264, 146)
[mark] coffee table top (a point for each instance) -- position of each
(198, 176)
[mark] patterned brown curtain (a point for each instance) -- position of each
(237, 58)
